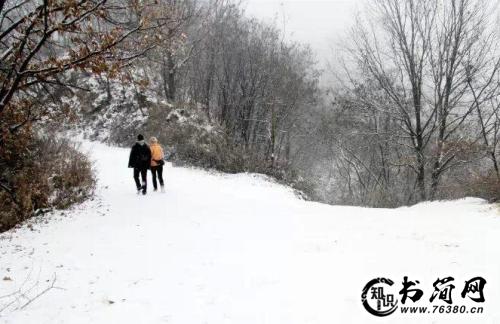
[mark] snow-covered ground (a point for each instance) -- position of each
(236, 249)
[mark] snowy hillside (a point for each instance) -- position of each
(236, 249)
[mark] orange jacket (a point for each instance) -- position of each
(156, 153)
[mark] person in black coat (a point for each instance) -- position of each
(140, 160)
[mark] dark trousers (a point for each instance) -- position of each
(157, 171)
(143, 173)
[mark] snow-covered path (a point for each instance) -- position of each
(236, 249)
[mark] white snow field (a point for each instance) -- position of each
(237, 249)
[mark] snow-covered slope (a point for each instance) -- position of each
(236, 249)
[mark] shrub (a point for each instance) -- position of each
(44, 173)
(486, 186)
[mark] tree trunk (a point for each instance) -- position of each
(171, 72)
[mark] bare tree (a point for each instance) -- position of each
(422, 56)
(463, 49)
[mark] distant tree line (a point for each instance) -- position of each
(247, 78)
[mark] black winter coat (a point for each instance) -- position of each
(140, 156)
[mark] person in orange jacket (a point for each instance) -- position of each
(157, 162)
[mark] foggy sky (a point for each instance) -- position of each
(319, 23)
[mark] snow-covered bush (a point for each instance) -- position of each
(50, 173)
(483, 185)
(186, 131)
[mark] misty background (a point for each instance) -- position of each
(319, 23)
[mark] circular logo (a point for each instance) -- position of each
(378, 298)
